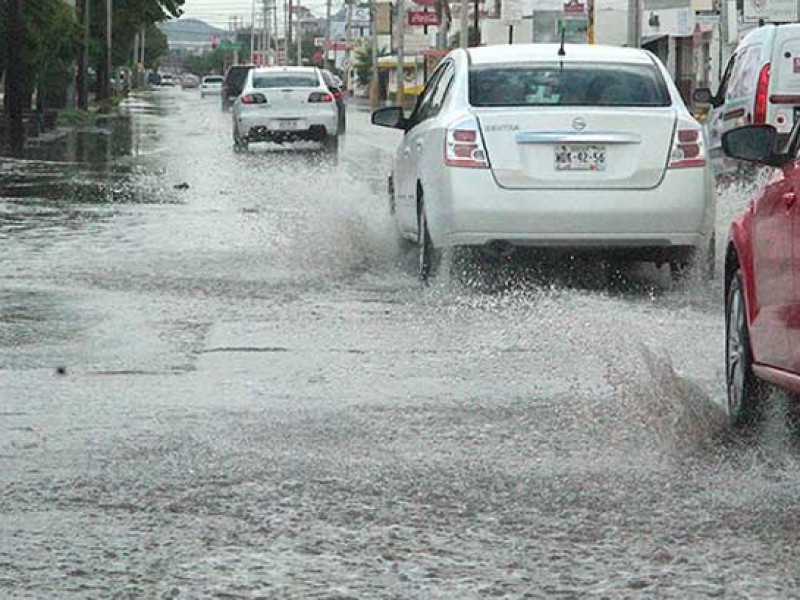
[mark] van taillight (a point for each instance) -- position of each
(762, 96)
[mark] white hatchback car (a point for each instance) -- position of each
(286, 104)
(581, 147)
(211, 85)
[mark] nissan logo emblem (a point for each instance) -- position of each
(579, 124)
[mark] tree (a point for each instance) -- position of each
(363, 62)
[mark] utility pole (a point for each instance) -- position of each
(400, 26)
(373, 31)
(462, 42)
(634, 23)
(265, 35)
(252, 31)
(590, 14)
(109, 67)
(348, 32)
(326, 61)
(15, 75)
(83, 58)
(299, 35)
(476, 24)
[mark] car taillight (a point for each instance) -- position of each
(688, 149)
(320, 97)
(254, 99)
(762, 96)
(463, 145)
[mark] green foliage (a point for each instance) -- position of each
(363, 62)
(210, 63)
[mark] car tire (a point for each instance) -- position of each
(428, 255)
(745, 392)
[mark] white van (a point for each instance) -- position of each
(761, 84)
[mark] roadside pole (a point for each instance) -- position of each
(373, 30)
(634, 24)
(463, 42)
(15, 76)
(348, 33)
(299, 35)
(400, 26)
(326, 61)
(109, 68)
(590, 14)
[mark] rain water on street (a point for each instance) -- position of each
(220, 378)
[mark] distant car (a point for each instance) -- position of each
(586, 148)
(336, 88)
(286, 104)
(211, 85)
(189, 81)
(235, 78)
(167, 80)
(761, 267)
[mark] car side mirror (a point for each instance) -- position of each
(703, 96)
(391, 116)
(753, 143)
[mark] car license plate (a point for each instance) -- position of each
(287, 124)
(581, 157)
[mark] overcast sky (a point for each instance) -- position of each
(219, 12)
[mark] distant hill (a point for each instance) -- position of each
(190, 33)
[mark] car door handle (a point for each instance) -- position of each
(406, 151)
(419, 148)
(789, 198)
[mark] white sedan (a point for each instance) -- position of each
(286, 104)
(211, 85)
(580, 147)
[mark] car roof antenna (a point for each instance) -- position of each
(563, 35)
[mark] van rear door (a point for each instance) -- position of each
(784, 88)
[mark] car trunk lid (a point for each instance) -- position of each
(563, 147)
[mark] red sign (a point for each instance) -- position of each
(338, 46)
(574, 7)
(420, 17)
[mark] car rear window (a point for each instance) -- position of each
(213, 79)
(567, 84)
(285, 80)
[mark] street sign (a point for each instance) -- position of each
(421, 17)
(339, 46)
(574, 7)
(346, 64)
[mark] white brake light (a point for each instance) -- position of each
(688, 148)
(463, 145)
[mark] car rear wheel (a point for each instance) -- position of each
(746, 393)
(427, 254)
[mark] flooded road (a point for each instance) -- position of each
(219, 378)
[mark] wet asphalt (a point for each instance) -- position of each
(219, 378)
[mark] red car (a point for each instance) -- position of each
(762, 276)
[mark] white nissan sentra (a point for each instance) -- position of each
(581, 147)
(286, 104)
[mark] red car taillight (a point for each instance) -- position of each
(463, 145)
(688, 149)
(320, 97)
(254, 99)
(762, 96)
